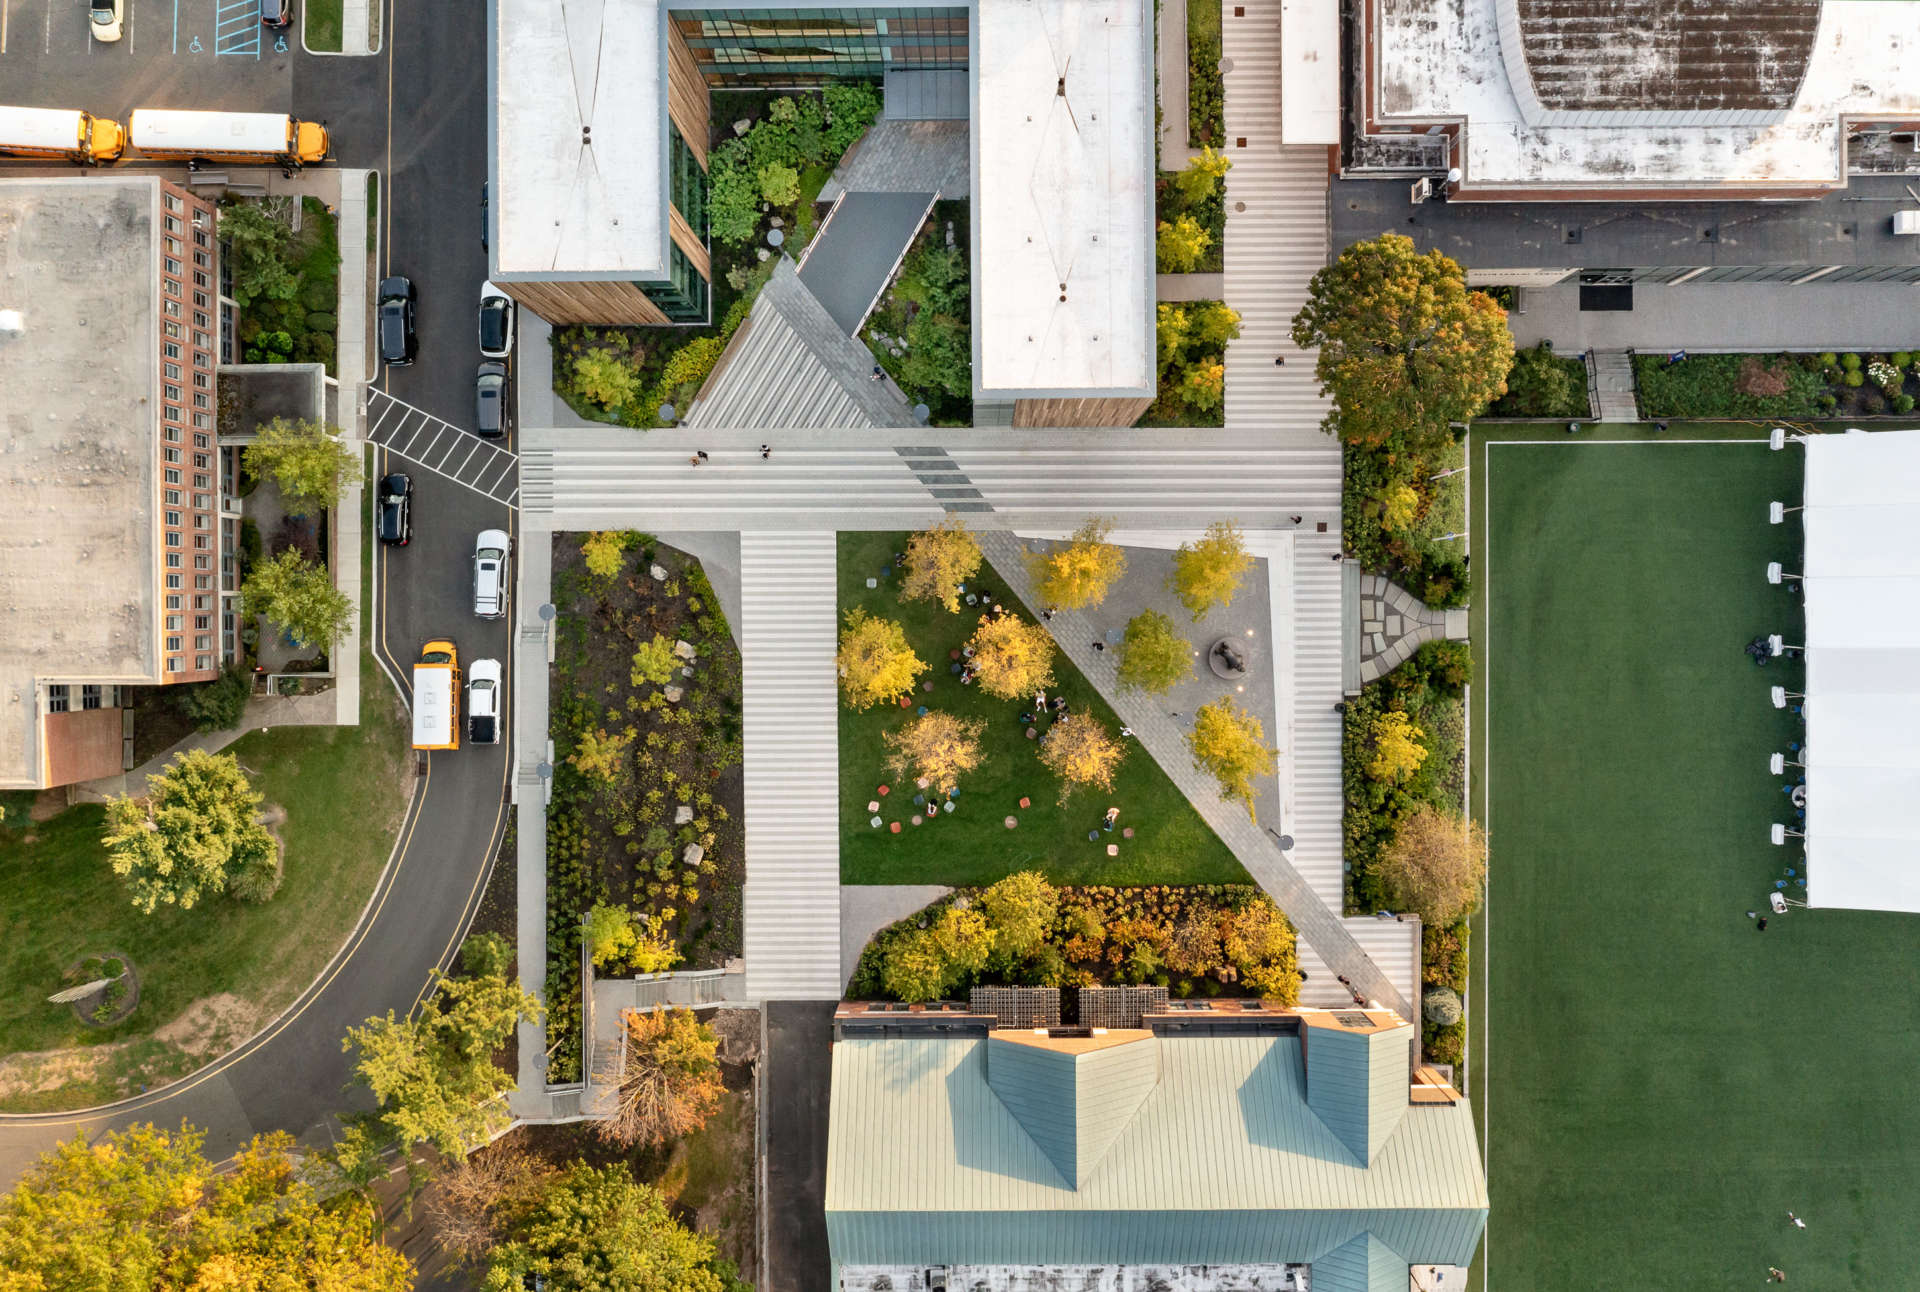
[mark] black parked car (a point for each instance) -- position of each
(396, 510)
(396, 320)
(490, 400)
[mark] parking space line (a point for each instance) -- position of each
(447, 456)
(482, 462)
(48, 48)
(433, 444)
(481, 481)
(413, 434)
(373, 432)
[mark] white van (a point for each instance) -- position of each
(491, 553)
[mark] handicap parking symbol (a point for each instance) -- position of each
(280, 44)
(195, 48)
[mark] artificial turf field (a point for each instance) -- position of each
(1657, 1084)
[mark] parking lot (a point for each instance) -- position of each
(210, 54)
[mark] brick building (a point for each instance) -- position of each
(110, 532)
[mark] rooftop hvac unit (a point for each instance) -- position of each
(1906, 222)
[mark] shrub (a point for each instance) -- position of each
(1886, 376)
(216, 705)
(1397, 748)
(605, 378)
(1202, 177)
(1851, 362)
(779, 185)
(1724, 385)
(1760, 378)
(1179, 244)
(1441, 1006)
(605, 551)
(1902, 359)
(1445, 1044)
(1542, 384)
(1854, 377)
(1206, 89)
(939, 355)
(1903, 403)
(1435, 866)
(1828, 359)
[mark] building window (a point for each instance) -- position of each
(173, 623)
(682, 298)
(173, 664)
(57, 698)
(203, 580)
(201, 541)
(173, 643)
(202, 563)
(173, 266)
(173, 538)
(173, 289)
(202, 461)
(688, 182)
(89, 696)
(202, 643)
(173, 476)
(173, 580)
(173, 560)
(200, 238)
(171, 350)
(171, 308)
(173, 415)
(173, 518)
(203, 421)
(173, 202)
(202, 622)
(202, 442)
(173, 601)
(203, 661)
(173, 497)
(169, 392)
(201, 259)
(171, 455)
(200, 401)
(203, 500)
(200, 482)
(201, 359)
(173, 225)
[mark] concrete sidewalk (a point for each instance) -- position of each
(261, 712)
(1724, 316)
(350, 362)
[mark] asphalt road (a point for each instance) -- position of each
(798, 1079)
(295, 1076)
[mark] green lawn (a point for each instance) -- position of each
(1659, 1084)
(323, 24)
(344, 790)
(1171, 844)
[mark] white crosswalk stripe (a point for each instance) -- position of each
(442, 448)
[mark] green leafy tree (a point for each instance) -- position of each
(1202, 176)
(1207, 573)
(939, 355)
(875, 663)
(257, 253)
(939, 561)
(654, 662)
(1214, 324)
(1229, 743)
(1405, 348)
(1179, 244)
(217, 705)
(779, 185)
(596, 1229)
(299, 596)
(605, 378)
(1153, 656)
(142, 1208)
(433, 1073)
(609, 933)
(1020, 911)
(925, 964)
(1077, 574)
(194, 834)
(1172, 332)
(304, 458)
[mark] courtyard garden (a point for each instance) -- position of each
(768, 158)
(921, 331)
(286, 280)
(645, 836)
(1009, 812)
(1206, 87)
(1619, 765)
(1191, 344)
(1546, 385)
(209, 976)
(1795, 387)
(1204, 940)
(1190, 216)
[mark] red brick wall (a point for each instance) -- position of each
(188, 479)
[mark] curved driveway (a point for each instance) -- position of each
(428, 140)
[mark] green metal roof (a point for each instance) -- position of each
(1363, 1264)
(1223, 1161)
(1074, 1106)
(1357, 1083)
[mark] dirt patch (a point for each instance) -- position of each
(47, 804)
(212, 1025)
(40, 1071)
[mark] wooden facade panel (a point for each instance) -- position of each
(1080, 412)
(689, 242)
(560, 303)
(687, 101)
(82, 745)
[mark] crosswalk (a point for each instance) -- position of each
(442, 448)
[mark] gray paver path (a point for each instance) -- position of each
(1394, 624)
(865, 909)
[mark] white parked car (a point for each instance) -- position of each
(103, 17)
(491, 553)
(483, 702)
(496, 322)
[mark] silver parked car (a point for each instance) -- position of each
(491, 553)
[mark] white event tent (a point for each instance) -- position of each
(1862, 572)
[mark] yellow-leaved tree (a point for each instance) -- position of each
(1397, 751)
(1435, 866)
(1208, 573)
(1078, 573)
(1399, 507)
(938, 748)
(1405, 348)
(939, 561)
(605, 551)
(1011, 656)
(1230, 744)
(876, 664)
(669, 1078)
(1081, 751)
(1259, 943)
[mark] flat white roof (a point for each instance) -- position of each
(1440, 59)
(567, 72)
(80, 261)
(1310, 71)
(1063, 196)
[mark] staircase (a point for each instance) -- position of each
(1612, 376)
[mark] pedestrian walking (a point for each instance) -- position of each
(877, 374)
(1099, 645)
(701, 454)
(766, 451)
(1776, 1276)
(1797, 1222)
(1126, 733)
(1279, 361)
(1050, 612)
(1762, 926)
(1296, 519)
(694, 461)
(1336, 558)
